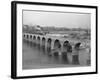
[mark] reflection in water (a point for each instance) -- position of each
(64, 57)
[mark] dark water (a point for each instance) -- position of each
(35, 57)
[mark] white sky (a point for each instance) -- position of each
(69, 20)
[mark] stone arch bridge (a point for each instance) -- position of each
(50, 42)
(53, 43)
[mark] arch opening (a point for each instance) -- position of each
(57, 47)
(57, 44)
(24, 35)
(30, 36)
(49, 46)
(38, 41)
(34, 37)
(67, 47)
(43, 41)
(75, 59)
(27, 36)
(77, 46)
(49, 42)
(34, 40)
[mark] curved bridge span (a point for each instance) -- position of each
(49, 40)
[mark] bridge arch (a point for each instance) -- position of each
(30, 36)
(49, 40)
(57, 44)
(38, 40)
(27, 36)
(24, 35)
(57, 47)
(75, 59)
(67, 47)
(77, 45)
(34, 39)
(43, 41)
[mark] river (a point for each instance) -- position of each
(34, 57)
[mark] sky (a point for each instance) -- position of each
(57, 19)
